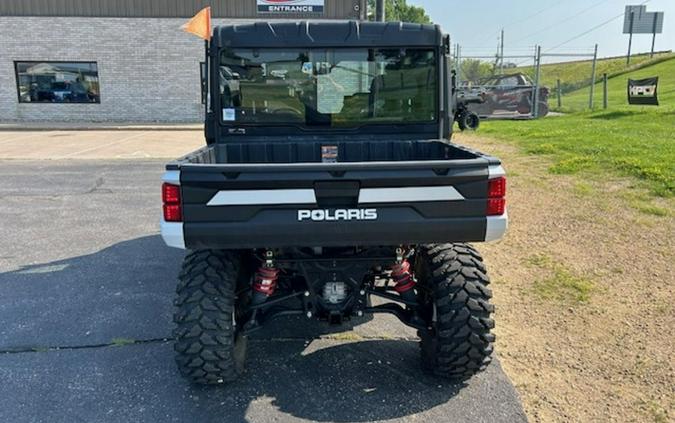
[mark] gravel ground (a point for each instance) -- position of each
(584, 290)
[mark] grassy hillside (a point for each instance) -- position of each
(635, 141)
(616, 89)
(578, 73)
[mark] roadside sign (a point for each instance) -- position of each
(638, 21)
(643, 91)
(290, 6)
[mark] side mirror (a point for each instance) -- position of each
(236, 76)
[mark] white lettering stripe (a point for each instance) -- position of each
(307, 196)
(263, 197)
(408, 194)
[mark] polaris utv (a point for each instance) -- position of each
(329, 189)
(512, 93)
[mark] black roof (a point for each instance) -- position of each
(327, 34)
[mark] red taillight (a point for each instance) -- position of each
(496, 206)
(170, 194)
(171, 200)
(496, 203)
(172, 213)
(497, 187)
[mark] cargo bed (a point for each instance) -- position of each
(280, 194)
(310, 151)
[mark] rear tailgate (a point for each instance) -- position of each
(342, 204)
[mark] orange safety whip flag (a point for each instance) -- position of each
(200, 24)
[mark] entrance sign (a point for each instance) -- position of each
(643, 91)
(290, 6)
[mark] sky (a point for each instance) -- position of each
(475, 24)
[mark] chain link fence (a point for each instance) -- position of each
(527, 83)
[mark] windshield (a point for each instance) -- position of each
(337, 88)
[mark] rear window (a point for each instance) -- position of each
(338, 88)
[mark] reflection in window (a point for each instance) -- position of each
(344, 88)
(511, 81)
(57, 82)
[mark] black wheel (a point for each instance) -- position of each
(543, 109)
(525, 105)
(468, 120)
(452, 288)
(208, 348)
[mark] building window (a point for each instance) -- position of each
(57, 82)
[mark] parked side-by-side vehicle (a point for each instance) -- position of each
(329, 188)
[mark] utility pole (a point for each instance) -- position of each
(537, 76)
(501, 53)
(379, 11)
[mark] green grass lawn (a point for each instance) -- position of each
(617, 86)
(636, 141)
(578, 73)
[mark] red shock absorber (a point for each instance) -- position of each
(266, 280)
(400, 273)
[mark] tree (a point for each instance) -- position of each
(472, 69)
(400, 10)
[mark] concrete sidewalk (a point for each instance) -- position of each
(103, 143)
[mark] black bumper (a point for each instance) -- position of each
(260, 233)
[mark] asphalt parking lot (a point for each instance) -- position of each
(87, 287)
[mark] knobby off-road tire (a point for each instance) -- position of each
(468, 121)
(208, 350)
(452, 278)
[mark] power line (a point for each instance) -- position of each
(526, 18)
(560, 22)
(534, 15)
(594, 28)
(576, 37)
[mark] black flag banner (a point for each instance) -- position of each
(643, 91)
